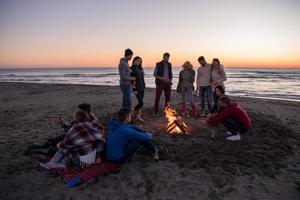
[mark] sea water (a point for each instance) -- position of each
(261, 83)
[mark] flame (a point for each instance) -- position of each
(174, 121)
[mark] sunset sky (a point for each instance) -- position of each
(79, 33)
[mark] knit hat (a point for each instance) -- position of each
(128, 52)
(85, 107)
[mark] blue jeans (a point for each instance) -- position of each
(61, 158)
(132, 147)
(205, 91)
(187, 95)
(126, 90)
(234, 127)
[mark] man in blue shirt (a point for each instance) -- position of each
(124, 139)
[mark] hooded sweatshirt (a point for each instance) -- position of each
(124, 72)
(232, 111)
(118, 137)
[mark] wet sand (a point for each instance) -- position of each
(265, 164)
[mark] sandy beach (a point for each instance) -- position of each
(265, 164)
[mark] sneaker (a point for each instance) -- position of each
(45, 166)
(228, 133)
(234, 138)
(155, 155)
(140, 119)
(52, 165)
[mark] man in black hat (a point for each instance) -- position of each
(125, 78)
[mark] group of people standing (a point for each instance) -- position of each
(209, 77)
(210, 86)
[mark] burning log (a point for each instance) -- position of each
(175, 125)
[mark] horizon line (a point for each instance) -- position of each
(106, 67)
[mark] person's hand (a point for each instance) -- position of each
(209, 115)
(203, 121)
(150, 135)
(214, 82)
(60, 121)
(133, 78)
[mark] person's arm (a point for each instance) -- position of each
(198, 77)
(192, 79)
(64, 145)
(224, 77)
(136, 128)
(214, 108)
(137, 135)
(219, 117)
(180, 77)
(171, 73)
(178, 88)
(122, 71)
(155, 73)
(66, 126)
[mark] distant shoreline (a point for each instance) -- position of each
(150, 88)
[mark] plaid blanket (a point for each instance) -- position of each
(82, 138)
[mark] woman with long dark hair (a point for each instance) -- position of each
(138, 86)
(219, 91)
(218, 77)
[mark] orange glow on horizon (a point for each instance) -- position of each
(83, 59)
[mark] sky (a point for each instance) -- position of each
(90, 33)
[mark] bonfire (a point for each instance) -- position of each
(175, 124)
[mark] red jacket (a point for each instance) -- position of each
(234, 112)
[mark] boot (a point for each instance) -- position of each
(139, 115)
(134, 114)
(183, 109)
(194, 111)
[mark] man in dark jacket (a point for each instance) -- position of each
(125, 78)
(233, 117)
(163, 79)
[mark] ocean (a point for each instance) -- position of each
(281, 84)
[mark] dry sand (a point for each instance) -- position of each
(265, 164)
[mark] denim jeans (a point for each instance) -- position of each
(205, 91)
(234, 127)
(187, 95)
(132, 147)
(140, 98)
(126, 90)
(61, 158)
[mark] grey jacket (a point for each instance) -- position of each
(124, 72)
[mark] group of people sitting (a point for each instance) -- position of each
(83, 142)
(209, 84)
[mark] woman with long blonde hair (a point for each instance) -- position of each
(186, 87)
